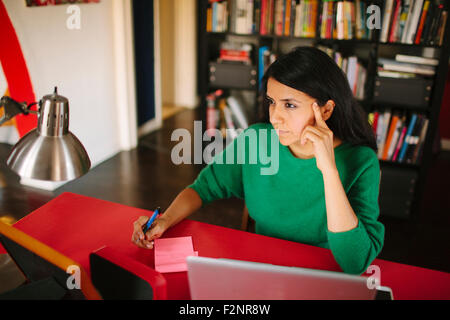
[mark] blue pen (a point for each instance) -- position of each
(147, 226)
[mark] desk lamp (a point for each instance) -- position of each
(50, 152)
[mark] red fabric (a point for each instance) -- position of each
(77, 225)
(16, 71)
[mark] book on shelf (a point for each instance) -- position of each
(403, 21)
(238, 112)
(393, 65)
(390, 135)
(413, 140)
(217, 16)
(416, 59)
(388, 8)
(423, 17)
(236, 52)
(383, 122)
(413, 22)
(288, 17)
(344, 20)
(354, 70)
(399, 138)
(418, 150)
(265, 58)
(408, 136)
(226, 113)
(395, 137)
(395, 74)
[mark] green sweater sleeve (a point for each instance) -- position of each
(354, 250)
(222, 178)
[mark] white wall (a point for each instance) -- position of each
(83, 64)
(178, 20)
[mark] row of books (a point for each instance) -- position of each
(226, 113)
(404, 21)
(345, 20)
(355, 71)
(414, 22)
(266, 17)
(399, 138)
(235, 52)
(217, 16)
(408, 66)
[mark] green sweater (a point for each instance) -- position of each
(291, 203)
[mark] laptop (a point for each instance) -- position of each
(227, 279)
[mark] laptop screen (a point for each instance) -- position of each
(226, 279)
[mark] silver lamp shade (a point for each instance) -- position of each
(50, 152)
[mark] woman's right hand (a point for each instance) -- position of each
(158, 227)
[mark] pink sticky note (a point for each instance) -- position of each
(171, 254)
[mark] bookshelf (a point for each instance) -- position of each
(402, 183)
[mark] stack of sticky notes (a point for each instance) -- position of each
(171, 254)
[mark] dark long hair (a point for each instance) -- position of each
(314, 73)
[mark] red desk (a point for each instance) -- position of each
(77, 225)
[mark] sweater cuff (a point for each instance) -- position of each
(354, 241)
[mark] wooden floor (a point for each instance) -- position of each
(146, 177)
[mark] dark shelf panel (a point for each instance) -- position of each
(384, 163)
(409, 45)
(322, 40)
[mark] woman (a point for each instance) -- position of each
(325, 191)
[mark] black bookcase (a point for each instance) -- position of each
(402, 185)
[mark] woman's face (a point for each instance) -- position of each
(290, 111)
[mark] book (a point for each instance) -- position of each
(395, 137)
(375, 121)
(403, 18)
(412, 27)
(388, 8)
(412, 4)
(382, 132)
(418, 151)
(340, 20)
(441, 31)
(287, 17)
(390, 135)
(411, 125)
(392, 65)
(395, 74)
(395, 22)
(414, 139)
(229, 122)
(425, 38)
(422, 22)
(416, 59)
(400, 142)
(435, 23)
(263, 21)
(238, 112)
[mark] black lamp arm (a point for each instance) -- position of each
(12, 108)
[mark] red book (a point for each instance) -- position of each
(394, 21)
(422, 22)
(262, 27)
(399, 144)
(375, 122)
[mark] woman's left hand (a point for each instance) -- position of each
(322, 140)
